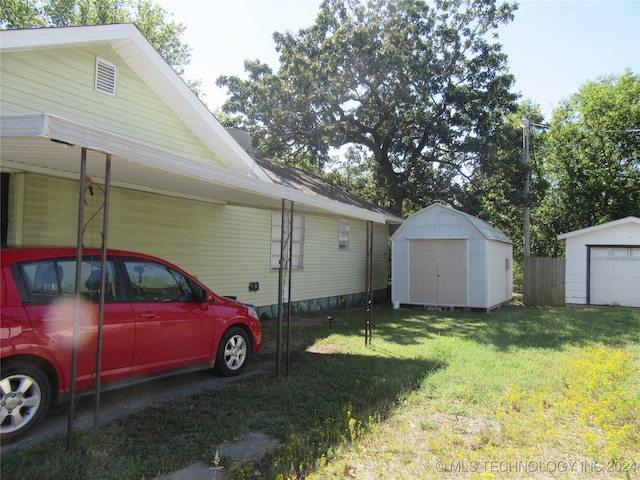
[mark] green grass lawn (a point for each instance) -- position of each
(519, 392)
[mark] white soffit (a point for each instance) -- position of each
(51, 145)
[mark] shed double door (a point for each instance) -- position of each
(438, 272)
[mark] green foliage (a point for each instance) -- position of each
(164, 35)
(355, 171)
(151, 19)
(432, 384)
(420, 87)
(592, 158)
(20, 14)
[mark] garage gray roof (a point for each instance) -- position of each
(602, 226)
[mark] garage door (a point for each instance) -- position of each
(614, 276)
(438, 272)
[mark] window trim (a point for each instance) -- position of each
(344, 234)
(299, 227)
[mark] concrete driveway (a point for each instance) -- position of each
(127, 401)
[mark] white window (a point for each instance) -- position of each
(344, 232)
(297, 237)
(106, 76)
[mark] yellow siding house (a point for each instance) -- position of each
(182, 187)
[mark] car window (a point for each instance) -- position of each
(52, 279)
(154, 282)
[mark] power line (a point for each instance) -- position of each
(629, 130)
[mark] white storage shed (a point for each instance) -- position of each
(447, 258)
(603, 264)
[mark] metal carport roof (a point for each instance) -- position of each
(47, 144)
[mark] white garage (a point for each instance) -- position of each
(603, 264)
(447, 258)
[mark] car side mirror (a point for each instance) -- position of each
(206, 297)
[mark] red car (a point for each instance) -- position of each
(157, 319)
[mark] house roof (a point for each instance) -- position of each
(313, 184)
(45, 143)
(485, 228)
(603, 226)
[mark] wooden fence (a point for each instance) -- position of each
(543, 281)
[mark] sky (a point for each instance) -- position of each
(553, 46)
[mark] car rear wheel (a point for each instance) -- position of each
(25, 393)
(233, 352)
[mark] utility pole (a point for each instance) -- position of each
(525, 124)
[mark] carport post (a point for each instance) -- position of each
(368, 284)
(103, 265)
(284, 262)
(289, 286)
(76, 319)
(76, 316)
(280, 281)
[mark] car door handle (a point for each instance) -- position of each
(148, 315)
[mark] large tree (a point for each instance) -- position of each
(152, 20)
(422, 86)
(592, 160)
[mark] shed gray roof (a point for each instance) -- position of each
(488, 230)
(485, 228)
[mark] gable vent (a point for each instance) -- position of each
(106, 76)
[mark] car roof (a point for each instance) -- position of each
(17, 253)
